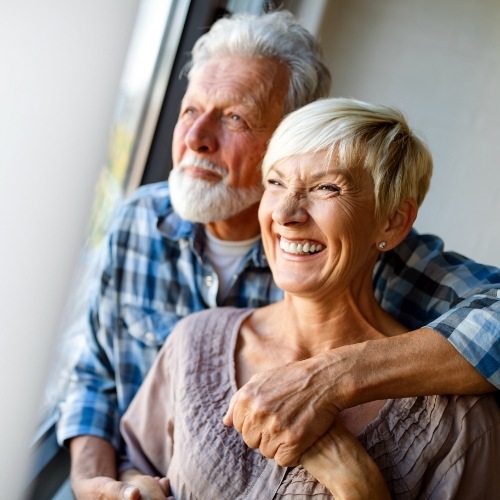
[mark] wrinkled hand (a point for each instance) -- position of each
(105, 488)
(149, 487)
(282, 412)
(138, 487)
(339, 462)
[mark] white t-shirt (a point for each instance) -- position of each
(226, 256)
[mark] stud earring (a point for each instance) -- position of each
(382, 245)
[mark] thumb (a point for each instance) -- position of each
(129, 492)
(124, 491)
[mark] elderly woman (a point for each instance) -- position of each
(343, 182)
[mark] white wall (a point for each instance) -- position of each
(439, 61)
(60, 65)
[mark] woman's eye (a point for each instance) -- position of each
(273, 182)
(329, 187)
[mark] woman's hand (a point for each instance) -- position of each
(150, 488)
(339, 462)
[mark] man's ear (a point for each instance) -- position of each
(398, 225)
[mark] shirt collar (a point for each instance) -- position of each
(175, 228)
(258, 256)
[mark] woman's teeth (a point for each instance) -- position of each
(302, 248)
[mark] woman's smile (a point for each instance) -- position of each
(300, 247)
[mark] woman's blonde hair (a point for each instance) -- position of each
(358, 134)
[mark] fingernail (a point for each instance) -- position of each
(128, 492)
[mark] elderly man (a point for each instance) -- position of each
(194, 243)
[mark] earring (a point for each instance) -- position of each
(382, 245)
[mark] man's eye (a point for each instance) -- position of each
(237, 121)
(188, 112)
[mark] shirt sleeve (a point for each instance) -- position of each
(90, 406)
(421, 284)
(473, 328)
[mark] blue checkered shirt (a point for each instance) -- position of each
(155, 272)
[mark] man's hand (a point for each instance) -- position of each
(93, 471)
(139, 487)
(284, 411)
(105, 488)
(94, 475)
(150, 488)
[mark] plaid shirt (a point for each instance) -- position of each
(155, 273)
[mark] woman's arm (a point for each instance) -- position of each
(339, 462)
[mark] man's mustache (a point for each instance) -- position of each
(204, 164)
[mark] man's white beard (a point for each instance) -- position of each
(199, 200)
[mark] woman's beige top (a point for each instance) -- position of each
(430, 447)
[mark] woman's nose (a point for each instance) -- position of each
(291, 210)
(202, 134)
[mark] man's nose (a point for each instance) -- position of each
(291, 210)
(202, 135)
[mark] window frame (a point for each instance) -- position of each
(201, 15)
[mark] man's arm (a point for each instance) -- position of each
(421, 284)
(284, 411)
(88, 425)
(94, 472)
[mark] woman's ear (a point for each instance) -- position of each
(397, 225)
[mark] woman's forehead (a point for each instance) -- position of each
(313, 166)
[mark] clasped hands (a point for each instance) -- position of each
(282, 412)
(288, 414)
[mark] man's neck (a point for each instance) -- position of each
(242, 226)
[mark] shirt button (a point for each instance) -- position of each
(150, 336)
(209, 280)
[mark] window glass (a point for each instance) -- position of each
(251, 6)
(145, 72)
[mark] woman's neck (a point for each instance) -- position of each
(310, 326)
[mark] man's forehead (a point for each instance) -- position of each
(222, 90)
(246, 82)
(238, 74)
